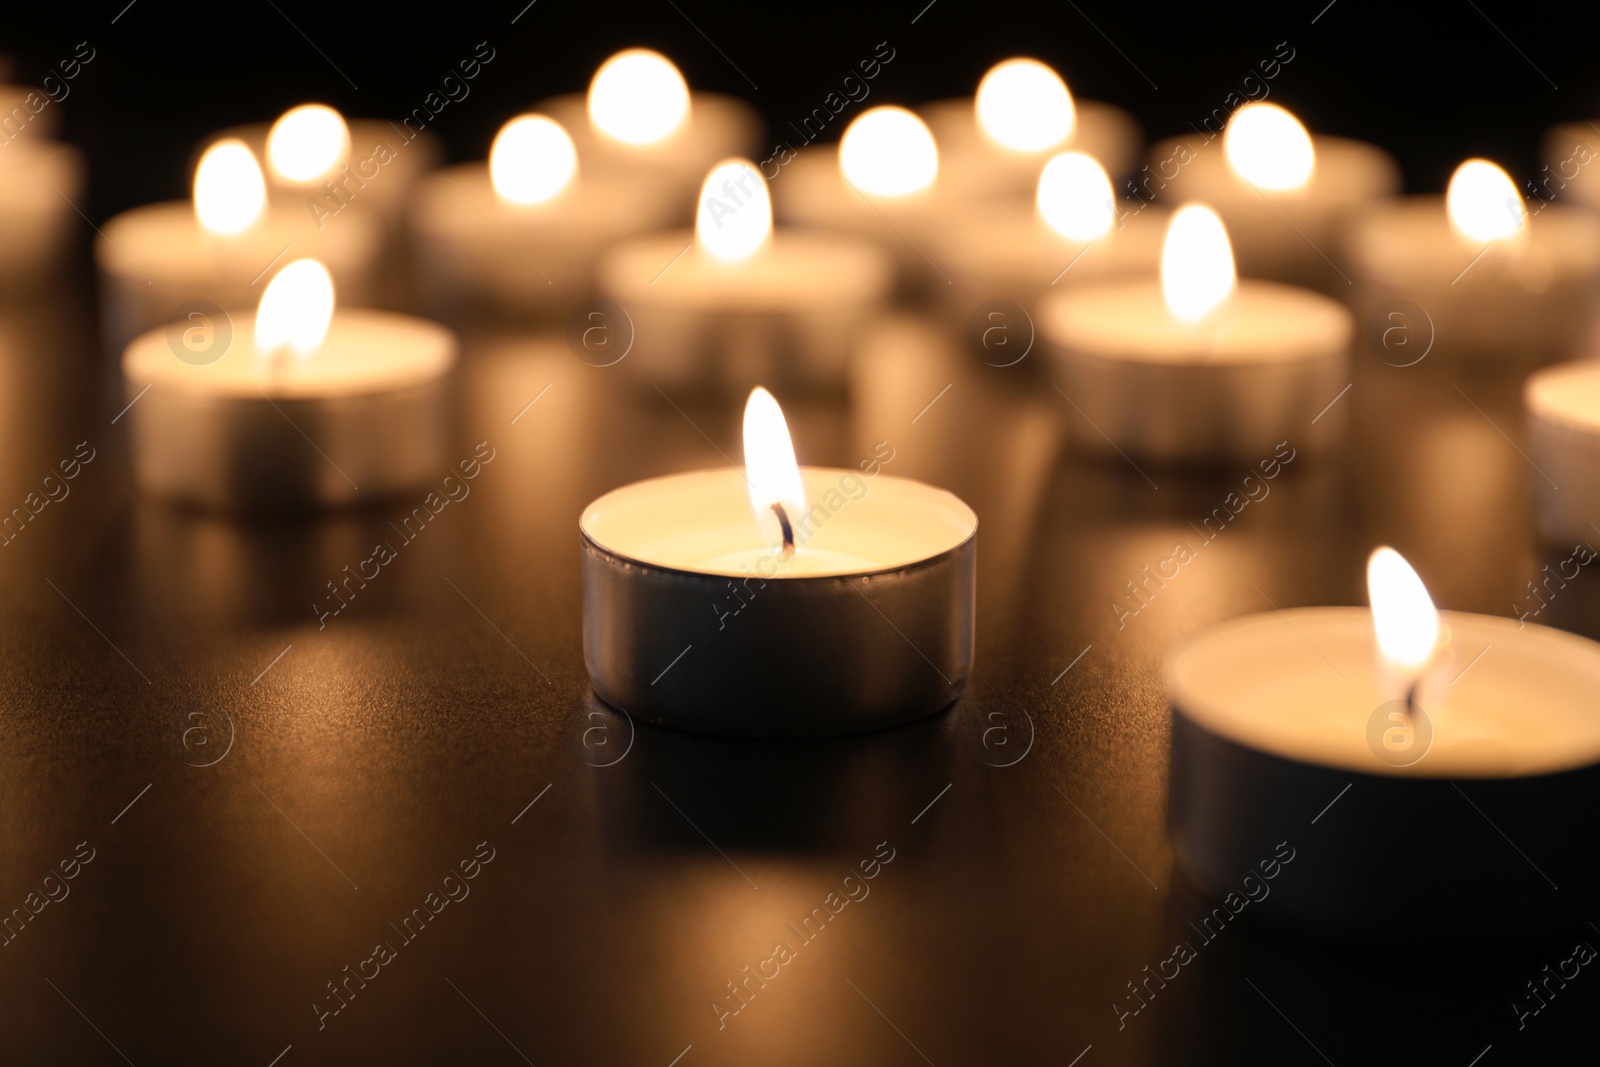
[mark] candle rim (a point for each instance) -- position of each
(967, 517)
(1203, 713)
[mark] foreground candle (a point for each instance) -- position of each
(778, 601)
(1021, 115)
(1563, 408)
(1371, 743)
(165, 259)
(1198, 367)
(296, 406)
(1501, 287)
(1283, 193)
(522, 232)
(732, 303)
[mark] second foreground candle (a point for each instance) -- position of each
(1359, 741)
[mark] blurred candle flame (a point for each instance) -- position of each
(307, 144)
(229, 190)
(1483, 202)
(1197, 272)
(532, 160)
(1023, 105)
(638, 97)
(296, 309)
(888, 151)
(734, 219)
(1269, 148)
(1075, 197)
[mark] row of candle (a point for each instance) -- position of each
(1169, 353)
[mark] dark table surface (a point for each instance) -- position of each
(266, 800)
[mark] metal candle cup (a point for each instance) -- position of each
(1279, 736)
(869, 626)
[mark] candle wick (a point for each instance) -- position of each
(1411, 699)
(788, 531)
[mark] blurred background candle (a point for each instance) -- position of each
(1563, 411)
(1503, 288)
(640, 120)
(732, 303)
(1197, 367)
(1278, 715)
(520, 234)
(1075, 231)
(994, 143)
(295, 406)
(881, 182)
(40, 181)
(212, 253)
(1282, 193)
(323, 164)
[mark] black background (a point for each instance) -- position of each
(1432, 83)
(379, 751)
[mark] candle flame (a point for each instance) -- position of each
(307, 143)
(296, 309)
(735, 214)
(229, 191)
(770, 467)
(888, 151)
(638, 97)
(533, 159)
(1023, 105)
(1197, 272)
(1402, 612)
(1269, 148)
(1483, 202)
(1075, 197)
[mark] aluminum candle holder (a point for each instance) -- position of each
(681, 629)
(1274, 755)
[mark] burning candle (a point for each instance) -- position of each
(1197, 367)
(778, 601)
(295, 406)
(1075, 232)
(1283, 193)
(172, 258)
(1501, 286)
(881, 183)
(1563, 408)
(521, 233)
(1021, 115)
(640, 120)
(327, 167)
(1330, 731)
(732, 303)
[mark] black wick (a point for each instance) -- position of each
(788, 531)
(1411, 700)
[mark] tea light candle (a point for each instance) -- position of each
(1198, 367)
(1563, 407)
(157, 260)
(40, 181)
(1075, 233)
(1330, 731)
(293, 407)
(778, 601)
(1020, 116)
(731, 303)
(881, 182)
(522, 232)
(328, 167)
(1282, 193)
(1501, 287)
(640, 120)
